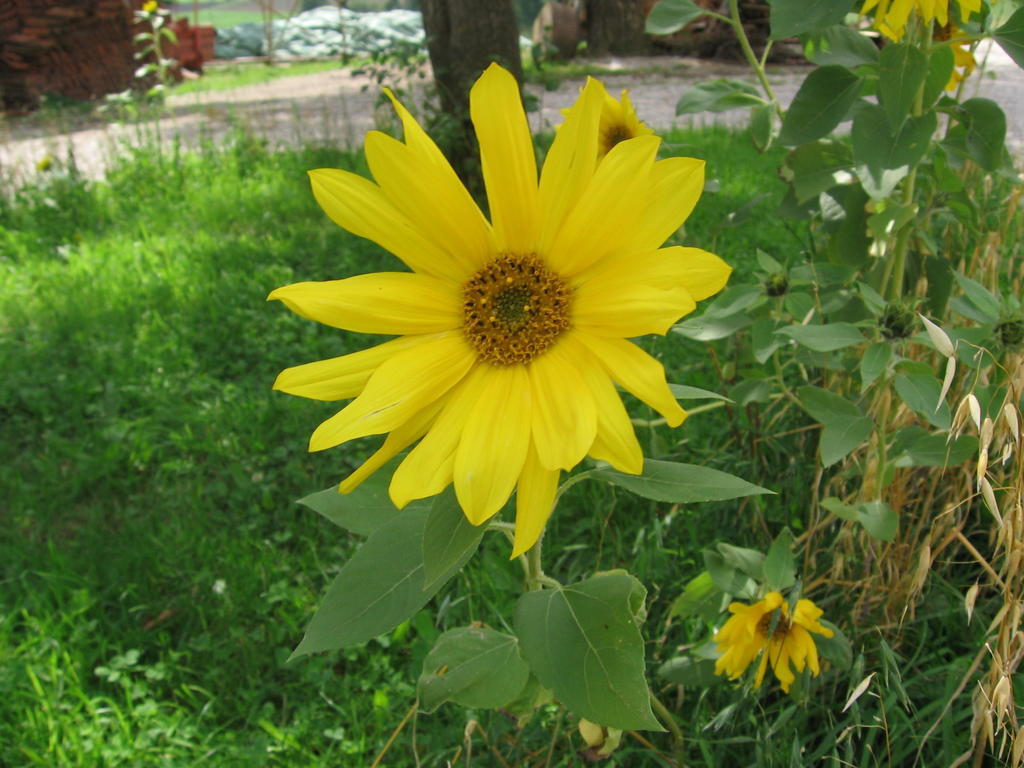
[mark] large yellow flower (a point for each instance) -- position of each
(511, 334)
(891, 16)
(749, 633)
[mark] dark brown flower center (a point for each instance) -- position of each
(614, 135)
(514, 309)
(781, 627)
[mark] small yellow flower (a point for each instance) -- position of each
(150, 6)
(510, 334)
(749, 633)
(45, 163)
(619, 122)
(891, 16)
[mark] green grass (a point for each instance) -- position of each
(154, 573)
(223, 77)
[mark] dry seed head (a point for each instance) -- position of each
(990, 499)
(1007, 452)
(986, 433)
(970, 598)
(938, 337)
(1017, 751)
(924, 564)
(947, 381)
(960, 416)
(1010, 415)
(982, 465)
(1002, 696)
(975, 407)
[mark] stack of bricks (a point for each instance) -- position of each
(79, 49)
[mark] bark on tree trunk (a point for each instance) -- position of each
(616, 27)
(463, 38)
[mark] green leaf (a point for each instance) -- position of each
(581, 641)
(823, 101)
(379, 587)
(878, 520)
(937, 451)
(532, 696)
(684, 392)
(670, 16)
(979, 296)
(448, 538)
(940, 67)
(474, 667)
(845, 427)
(790, 18)
(762, 126)
(686, 670)
(748, 561)
(700, 597)
(818, 167)
(1010, 37)
(753, 390)
(901, 72)
(840, 510)
(981, 134)
(875, 361)
(876, 150)
(779, 563)
(681, 483)
(718, 96)
(726, 577)
(824, 338)
(920, 391)
(711, 328)
(842, 46)
(362, 511)
(836, 649)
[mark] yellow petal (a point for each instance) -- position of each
(428, 468)
(392, 303)
(535, 498)
(416, 138)
(402, 386)
(507, 159)
(341, 377)
(702, 274)
(569, 165)
(397, 441)
(606, 307)
(615, 440)
(564, 417)
(494, 442)
(433, 199)
(636, 372)
(360, 206)
(676, 186)
(606, 216)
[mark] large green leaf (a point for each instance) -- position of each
(700, 597)
(1010, 37)
(670, 16)
(844, 426)
(823, 101)
(920, 391)
(901, 72)
(448, 538)
(582, 641)
(684, 392)
(824, 338)
(937, 451)
(879, 520)
(681, 483)
(940, 67)
(474, 667)
(980, 134)
(687, 670)
(718, 96)
(794, 17)
(877, 150)
(875, 361)
(841, 46)
(980, 297)
(706, 328)
(362, 511)
(379, 587)
(779, 564)
(815, 168)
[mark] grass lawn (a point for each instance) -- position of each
(155, 572)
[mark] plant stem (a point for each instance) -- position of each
(669, 721)
(534, 572)
(748, 53)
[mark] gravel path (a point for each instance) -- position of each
(336, 106)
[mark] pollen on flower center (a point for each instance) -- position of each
(614, 135)
(514, 309)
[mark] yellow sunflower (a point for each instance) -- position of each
(510, 334)
(891, 16)
(619, 122)
(748, 633)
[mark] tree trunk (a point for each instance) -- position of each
(616, 27)
(463, 38)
